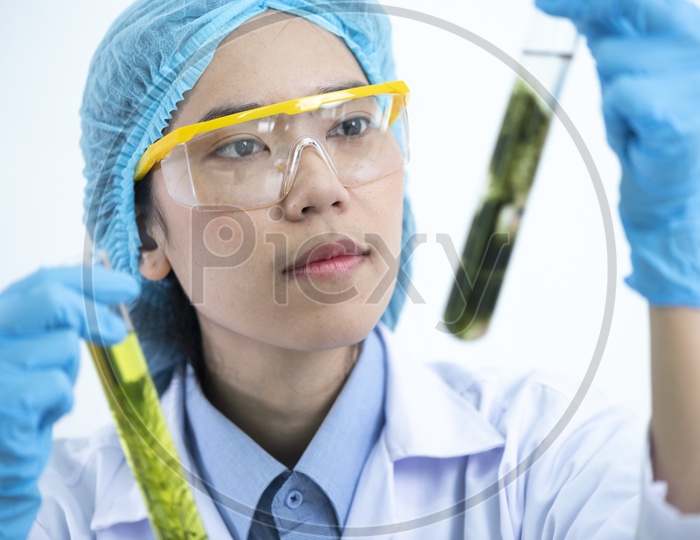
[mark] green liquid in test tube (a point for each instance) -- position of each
(494, 229)
(145, 439)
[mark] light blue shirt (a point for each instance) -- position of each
(320, 489)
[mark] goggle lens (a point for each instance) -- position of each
(252, 164)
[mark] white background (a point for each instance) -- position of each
(551, 309)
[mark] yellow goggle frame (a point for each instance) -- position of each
(160, 149)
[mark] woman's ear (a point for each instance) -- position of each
(153, 262)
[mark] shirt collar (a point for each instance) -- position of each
(238, 470)
(337, 454)
(234, 466)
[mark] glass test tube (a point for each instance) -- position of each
(145, 439)
(484, 261)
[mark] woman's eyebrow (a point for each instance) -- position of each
(237, 107)
(227, 110)
(338, 87)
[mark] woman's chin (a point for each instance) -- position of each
(341, 328)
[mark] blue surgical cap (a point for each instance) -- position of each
(153, 53)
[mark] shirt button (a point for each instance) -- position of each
(294, 499)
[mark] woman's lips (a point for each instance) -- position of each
(328, 260)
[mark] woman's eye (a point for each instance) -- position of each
(240, 149)
(352, 127)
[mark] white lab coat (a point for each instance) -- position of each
(454, 460)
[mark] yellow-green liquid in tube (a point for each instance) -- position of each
(148, 446)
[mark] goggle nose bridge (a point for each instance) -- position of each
(294, 158)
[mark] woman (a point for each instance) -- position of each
(332, 432)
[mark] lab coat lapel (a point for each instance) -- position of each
(122, 503)
(426, 416)
(428, 420)
(374, 504)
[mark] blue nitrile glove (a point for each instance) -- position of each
(42, 319)
(648, 59)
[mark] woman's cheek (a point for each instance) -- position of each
(233, 258)
(209, 244)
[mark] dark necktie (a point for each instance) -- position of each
(263, 525)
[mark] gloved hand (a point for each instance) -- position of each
(41, 320)
(648, 60)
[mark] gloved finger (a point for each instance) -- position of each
(616, 55)
(50, 305)
(627, 17)
(20, 468)
(100, 284)
(19, 505)
(19, 493)
(58, 349)
(29, 405)
(653, 124)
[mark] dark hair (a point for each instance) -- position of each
(186, 331)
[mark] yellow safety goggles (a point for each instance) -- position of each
(249, 159)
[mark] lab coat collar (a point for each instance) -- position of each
(425, 416)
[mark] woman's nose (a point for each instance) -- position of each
(315, 183)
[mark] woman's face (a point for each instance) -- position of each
(238, 268)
